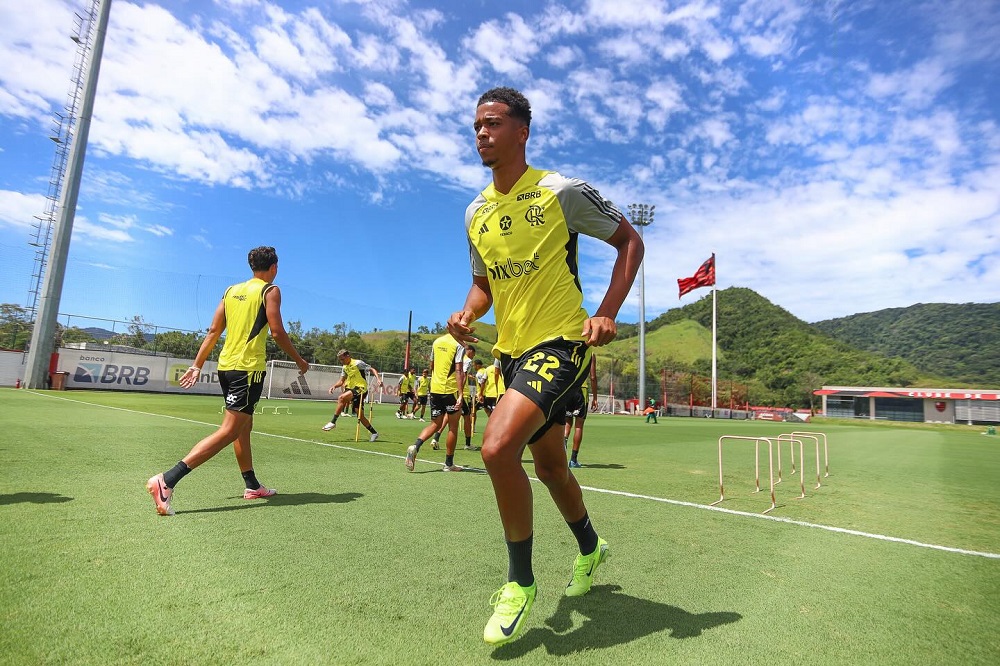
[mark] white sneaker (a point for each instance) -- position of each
(329, 426)
(411, 456)
(373, 437)
(451, 468)
(398, 415)
(422, 421)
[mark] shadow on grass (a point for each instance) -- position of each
(284, 499)
(34, 498)
(612, 618)
(602, 466)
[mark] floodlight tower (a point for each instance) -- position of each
(642, 216)
(43, 336)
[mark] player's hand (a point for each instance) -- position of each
(331, 389)
(190, 377)
(599, 331)
(460, 326)
(303, 367)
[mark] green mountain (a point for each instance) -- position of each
(961, 342)
(782, 358)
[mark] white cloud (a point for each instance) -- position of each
(18, 209)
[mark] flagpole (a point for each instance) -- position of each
(715, 329)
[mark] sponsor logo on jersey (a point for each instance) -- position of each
(505, 224)
(513, 269)
(524, 196)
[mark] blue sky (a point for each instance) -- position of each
(837, 157)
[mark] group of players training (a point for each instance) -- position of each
(523, 232)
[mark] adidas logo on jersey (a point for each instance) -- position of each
(483, 229)
(536, 384)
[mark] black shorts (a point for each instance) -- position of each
(404, 397)
(489, 403)
(466, 407)
(421, 399)
(241, 389)
(548, 375)
(443, 403)
(577, 406)
(358, 394)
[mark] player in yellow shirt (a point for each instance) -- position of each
(247, 311)
(447, 375)
(576, 413)
(405, 389)
(423, 389)
(355, 384)
(522, 231)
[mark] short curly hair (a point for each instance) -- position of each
(262, 258)
(516, 102)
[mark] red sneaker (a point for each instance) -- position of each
(161, 495)
(260, 493)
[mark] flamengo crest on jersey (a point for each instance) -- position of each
(525, 243)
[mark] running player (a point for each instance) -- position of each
(423, 387)
(247, 310)
(406, 394)
(447, 376)
(576, 413)
(355, 386)
(468, 399)
(522, 231)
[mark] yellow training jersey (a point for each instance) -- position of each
(246, 326)
(354, 375)
(501, 387)
(525, 243)
(406, 384)
(423, 385)
(447, 352)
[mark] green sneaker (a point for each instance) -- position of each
(584, 567)
(511, 604)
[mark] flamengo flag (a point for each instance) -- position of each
(703, 277)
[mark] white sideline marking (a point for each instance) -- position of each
(621, 493)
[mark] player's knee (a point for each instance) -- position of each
(496, 453)
(551, 475)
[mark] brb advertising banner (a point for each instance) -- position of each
(115, 371)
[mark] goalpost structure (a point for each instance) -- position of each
(283, 382)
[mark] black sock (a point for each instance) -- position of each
(175, 474)
(585, 534)
(468, 441)
(449, 460)
(251, 480)
(573, 456)
(437, 437)
(418, 443)
(519, 567)
(370, 429)
(334, 419)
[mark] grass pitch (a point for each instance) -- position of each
(894, 560)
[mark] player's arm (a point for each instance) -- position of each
(272, 308)
(601, 329)
(477, 303)
(460, 377)
(215, 329)
(377, 377)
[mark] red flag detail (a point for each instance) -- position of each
(703, 277)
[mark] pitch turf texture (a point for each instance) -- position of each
(357, 561)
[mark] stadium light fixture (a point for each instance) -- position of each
(642, 216)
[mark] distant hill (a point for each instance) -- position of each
(958, 341)
(781, 355)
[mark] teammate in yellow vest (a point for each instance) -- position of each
(423, 388)
(405, 389)
(447, 376)
(355, 386)
(247, 311)
(523, 232)
(576, 413)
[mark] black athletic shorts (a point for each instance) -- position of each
(443, 403)
(577, 406)
(421, 399)
(358, 394)
(404, 397)
(548, 375)
(241, 389)
(466, 407)
(489, 403)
